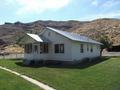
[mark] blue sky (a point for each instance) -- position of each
(59, 10)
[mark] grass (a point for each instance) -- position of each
(99, 75)
(10, 81)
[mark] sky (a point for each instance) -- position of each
(58, 10)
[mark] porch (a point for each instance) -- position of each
(36, 47)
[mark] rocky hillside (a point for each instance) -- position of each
(14, 32)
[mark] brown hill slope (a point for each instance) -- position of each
(97, 28)
(14, 32)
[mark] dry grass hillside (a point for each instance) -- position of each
(14, 49)
(100, 27)
(13, 32)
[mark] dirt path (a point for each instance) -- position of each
(41, 85)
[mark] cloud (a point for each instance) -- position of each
(95, 2)
(105, 4)
(111, 3)
(9, 2)
(39, 6)
(102, 15)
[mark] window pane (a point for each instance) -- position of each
(81, 48)
(44, 47)
(87, 47)
(36, 48)
(91, 49)
(47, 48)
(61, 48)
(56, 48)
(41, 47)
(27, 48)
(30, 48)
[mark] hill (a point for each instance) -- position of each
(14, 32)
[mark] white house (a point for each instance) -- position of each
(57, 45)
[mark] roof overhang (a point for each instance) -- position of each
(37, 38)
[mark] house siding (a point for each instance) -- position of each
(54, 38)
(36, 55)
(71, 49)
(77, 55)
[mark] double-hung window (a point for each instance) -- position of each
(59, 48)
(44, 48)
(28, 48)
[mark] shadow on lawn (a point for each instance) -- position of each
(82, 65)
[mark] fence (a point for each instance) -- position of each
(12, 56)
(111, 54)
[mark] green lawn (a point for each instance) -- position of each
(10, 81)
(104, 75)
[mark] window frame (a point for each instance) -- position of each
(91, 49)
(59, 48)
(44, 48)
(36, 48)
(56, 48)
(81, 48)
(28, 48)
(88, 47)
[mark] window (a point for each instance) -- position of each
(28, 48)
(91, 49)
(36, 48)
(56, 48)
(44, 47)
(45, 50)
(81, 48)
(87, 47)
(59, 48)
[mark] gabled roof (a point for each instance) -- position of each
(74, 37)
(35, 37)
(38, 38)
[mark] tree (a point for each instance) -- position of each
(106, 43)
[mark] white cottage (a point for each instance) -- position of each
(57, 45)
